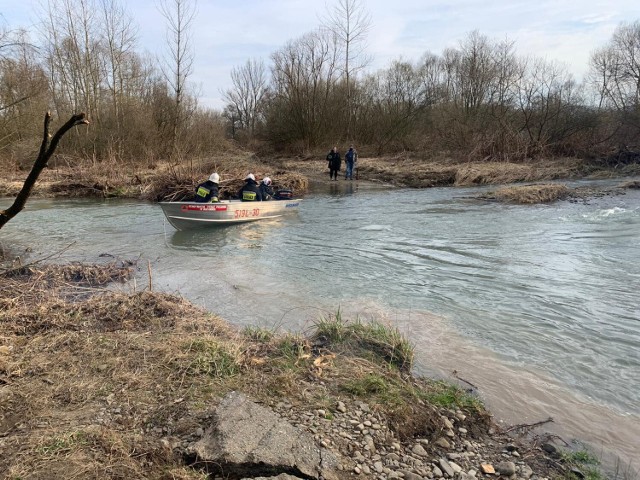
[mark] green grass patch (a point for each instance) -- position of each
(371, 384)
(257, 334)
(366, 339)
(448, 395)
(62, 444)
(291, 352)
(585, 462)
(212, 359)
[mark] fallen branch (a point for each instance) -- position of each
(524, 426)
(35, 262)
(455, 374)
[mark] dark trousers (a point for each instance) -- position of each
(333, 174)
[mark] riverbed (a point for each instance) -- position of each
(536, 306)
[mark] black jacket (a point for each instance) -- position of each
(250, 192)
(334, 160)
(266, 191)
(207, 192)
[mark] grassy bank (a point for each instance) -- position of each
(98, 383)
(163, 181)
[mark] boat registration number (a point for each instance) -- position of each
(247, 213)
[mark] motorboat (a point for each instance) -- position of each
(188, 215)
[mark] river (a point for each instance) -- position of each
(537, 306)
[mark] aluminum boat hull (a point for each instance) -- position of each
(188, 215)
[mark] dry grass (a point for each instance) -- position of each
(408, 171)
(634, 184)
(102, 384)
(160, 181)
(530, 194)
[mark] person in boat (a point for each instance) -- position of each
(250, 192)
(266, 190)
(349, 161)
(207, 192)
(335, 161)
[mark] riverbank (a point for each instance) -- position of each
(162, 181)
(98, 382)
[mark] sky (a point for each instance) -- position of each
(226, 33)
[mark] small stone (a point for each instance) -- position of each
(506, 468)
(446, 468)
(463, 430)
(450, 433)
(366, 470)
(419, 450)
(472, 473)
(321, 413)
(341, 407)
(447, 423)
(526, 472)
(437, 472)
(443, 442)
(487, 468)
(410, 475)
(456, 468)
(550, 449)
(199, 432)
(515, 454)
(378, 467)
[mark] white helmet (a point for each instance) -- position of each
(250, 177)
(266, 181)
(215, 178)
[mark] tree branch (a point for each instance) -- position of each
(46, 151)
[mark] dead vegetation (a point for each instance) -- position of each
(530, 194)
(156, 182)
(96, 383)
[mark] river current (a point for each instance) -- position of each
(537, 306)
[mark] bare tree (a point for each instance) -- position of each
(350, 22)
(23, 87)
(179, 15)
(47, 147)
(304, 74)
(120, 39)
(247, 96)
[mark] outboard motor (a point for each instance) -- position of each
(284, 194)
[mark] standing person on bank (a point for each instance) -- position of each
(208, 191)
(335, 161)
(250, 192)
(350, 160)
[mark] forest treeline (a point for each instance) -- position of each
(479, 100)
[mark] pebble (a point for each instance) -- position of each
(506, 468)
(487, 468)
(378, 467)
(446, 468)
(437, 472)
(443, 442)
(419, 450)
(357, 470)
(341, 407)
(447, 423)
